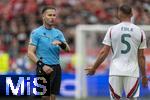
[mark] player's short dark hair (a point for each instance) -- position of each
(47, 8)
(126, 9)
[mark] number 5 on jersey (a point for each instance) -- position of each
(124, 41)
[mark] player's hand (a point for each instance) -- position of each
(90, 70)
(47, 69)
(145, 82)
(56, 42)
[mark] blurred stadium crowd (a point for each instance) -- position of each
(19, 17)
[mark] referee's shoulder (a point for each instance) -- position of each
(58, 30)
(37, 30)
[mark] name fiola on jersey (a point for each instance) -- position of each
(126, 29)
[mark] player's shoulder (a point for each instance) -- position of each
(37, 30)
(120, 24)
(58, 31)
(136, 27)
(111, 27)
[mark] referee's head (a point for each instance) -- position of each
(47, 8)
(49, 15)
(124, 12)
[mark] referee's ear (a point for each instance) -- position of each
(43, 16)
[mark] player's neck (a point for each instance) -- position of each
(48, 26)
(126, 20)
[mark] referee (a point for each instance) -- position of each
(44, 49)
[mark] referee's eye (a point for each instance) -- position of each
(51, 15)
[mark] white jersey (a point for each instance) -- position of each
(125, 39)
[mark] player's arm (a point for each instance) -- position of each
(103, 53)
(39, 63)
(34, 38)
(33, 57)
(63, 45)
(141, 61)
(31, 53)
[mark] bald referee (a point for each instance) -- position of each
(44, 48)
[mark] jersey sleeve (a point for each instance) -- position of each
(33, 38)
(107, 38)
(143, 41)
(61, 37)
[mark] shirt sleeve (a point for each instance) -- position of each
(61, 37)
(34, 39)
(107, 38)
(143, 41)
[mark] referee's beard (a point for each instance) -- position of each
(49, 23)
